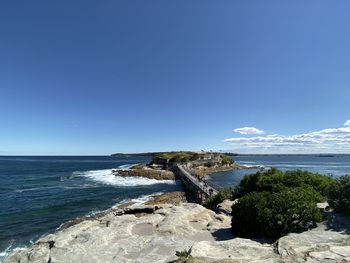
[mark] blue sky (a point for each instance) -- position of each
(97, 77)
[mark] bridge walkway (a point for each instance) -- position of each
(191, 182)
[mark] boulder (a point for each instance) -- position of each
(316, 245)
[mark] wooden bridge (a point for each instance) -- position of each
(199, 188)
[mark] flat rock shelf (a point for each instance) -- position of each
(153, 233)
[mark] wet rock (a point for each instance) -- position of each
(145, 171)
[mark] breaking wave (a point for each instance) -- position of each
(108, 178)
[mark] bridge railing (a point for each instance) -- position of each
(207, 188)
(213, 185)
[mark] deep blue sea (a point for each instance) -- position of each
(38, 194)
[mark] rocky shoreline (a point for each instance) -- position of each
(203, 171)
(167, 228)
(156, 231)
(201, 164)
(145, 171)
(159, 173)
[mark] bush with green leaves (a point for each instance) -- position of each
(213, 201)
(175, 157)
(182, 256)
(339, 195)
(275, 214)
(209, 164)
(226, 160)
(274, 180)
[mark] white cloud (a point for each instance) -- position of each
(248, 130)
(330, 140)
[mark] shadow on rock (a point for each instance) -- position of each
(223, 234)
(337, 222)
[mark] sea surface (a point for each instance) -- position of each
(38, 194)
(334, 165)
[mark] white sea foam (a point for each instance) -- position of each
(107, 177)
(8, 250)
(35, 189)
(253, 166)
(247, 162)
(4, 253)
(136, 201)
(126, 166)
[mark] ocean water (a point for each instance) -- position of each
(334, 165)
(38, 194)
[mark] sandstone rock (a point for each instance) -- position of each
(39, 252)
(225, 207)
(316, 245)
(238, 249)
(144, 171)
(152, 238)
(173, 198)
(154, 235)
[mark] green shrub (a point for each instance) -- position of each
(339, 195)
(182, 256)
(276, 214)
(223, 194)
(274, 180)
(175, 157)
(209, 164)
(226, 160)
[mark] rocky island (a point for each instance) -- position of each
(199, 163)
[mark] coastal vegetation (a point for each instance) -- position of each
(176, 157)
(162, 164)
(226, 160)
(274, 180)
(188, 156)
(275, 214)
(272, 203)
(224, 194)
(339, 195)
(199, 163)
(182, 256)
